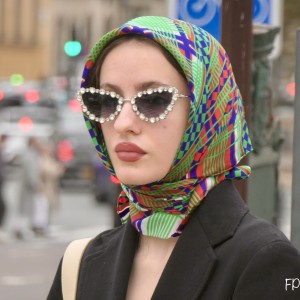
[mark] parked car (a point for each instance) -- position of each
(74, 149)
(27, 114)
(107, 189)
(20, 120)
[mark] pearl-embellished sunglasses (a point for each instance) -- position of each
(151, 105)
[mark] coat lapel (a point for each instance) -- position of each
(123, 262)
(107, 265)
(189, 266)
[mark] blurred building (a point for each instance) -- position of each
(33, 32)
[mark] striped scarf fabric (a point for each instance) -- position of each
(215, 140)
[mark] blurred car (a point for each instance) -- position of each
(74, 147)
(20, 120)
(27, 114)
(27, 121)
(107, 189)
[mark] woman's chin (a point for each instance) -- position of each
(142, 175)
(136, 180)
(128, 181)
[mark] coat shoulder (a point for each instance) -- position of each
(256, 233)
(105, 240)
(269, 261)
(253, 236)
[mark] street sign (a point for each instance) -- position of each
(203, 13)
(262, 11)
(207, 15)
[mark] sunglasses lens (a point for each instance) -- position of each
(100, 105)
(152, 105)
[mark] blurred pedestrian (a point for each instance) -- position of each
(43, 184)
(166, 116)
(51, 171)
(33, 212)
(29, 181)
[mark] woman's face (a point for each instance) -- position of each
(142, 152)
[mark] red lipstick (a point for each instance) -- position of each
(129, 152)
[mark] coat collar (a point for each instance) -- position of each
(221, 212)
(193, 258)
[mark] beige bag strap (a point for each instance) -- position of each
(70, 267)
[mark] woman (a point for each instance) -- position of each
(166, 117)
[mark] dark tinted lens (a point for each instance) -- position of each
(100, 105)
(152, 105)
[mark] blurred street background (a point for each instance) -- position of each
(53, 187)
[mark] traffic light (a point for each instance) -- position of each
(16, 79)
(73, 47)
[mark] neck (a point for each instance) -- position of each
(157, 247)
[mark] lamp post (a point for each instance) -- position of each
(236, 37)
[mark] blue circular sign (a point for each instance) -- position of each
(202, 13)
(207, 13)
(262, 11)
(199, 12)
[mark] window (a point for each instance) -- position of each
(18, 22)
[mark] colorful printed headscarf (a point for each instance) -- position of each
(214, 142)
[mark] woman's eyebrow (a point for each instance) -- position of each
(138, 87)
(111, 87)
(149, 84)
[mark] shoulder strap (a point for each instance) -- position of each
(70, 267)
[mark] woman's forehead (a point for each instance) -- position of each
(139, 65)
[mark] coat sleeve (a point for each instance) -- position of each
(272, 273)
(55, 292)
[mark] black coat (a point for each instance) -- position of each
(224, 253)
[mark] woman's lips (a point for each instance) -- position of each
(129, 152)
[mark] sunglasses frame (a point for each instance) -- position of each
(170, 89)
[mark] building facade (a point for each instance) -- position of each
(33, 32)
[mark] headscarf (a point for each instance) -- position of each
(215, 140)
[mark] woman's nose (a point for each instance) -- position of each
(127, 120)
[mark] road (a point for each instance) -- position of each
(27, 267)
